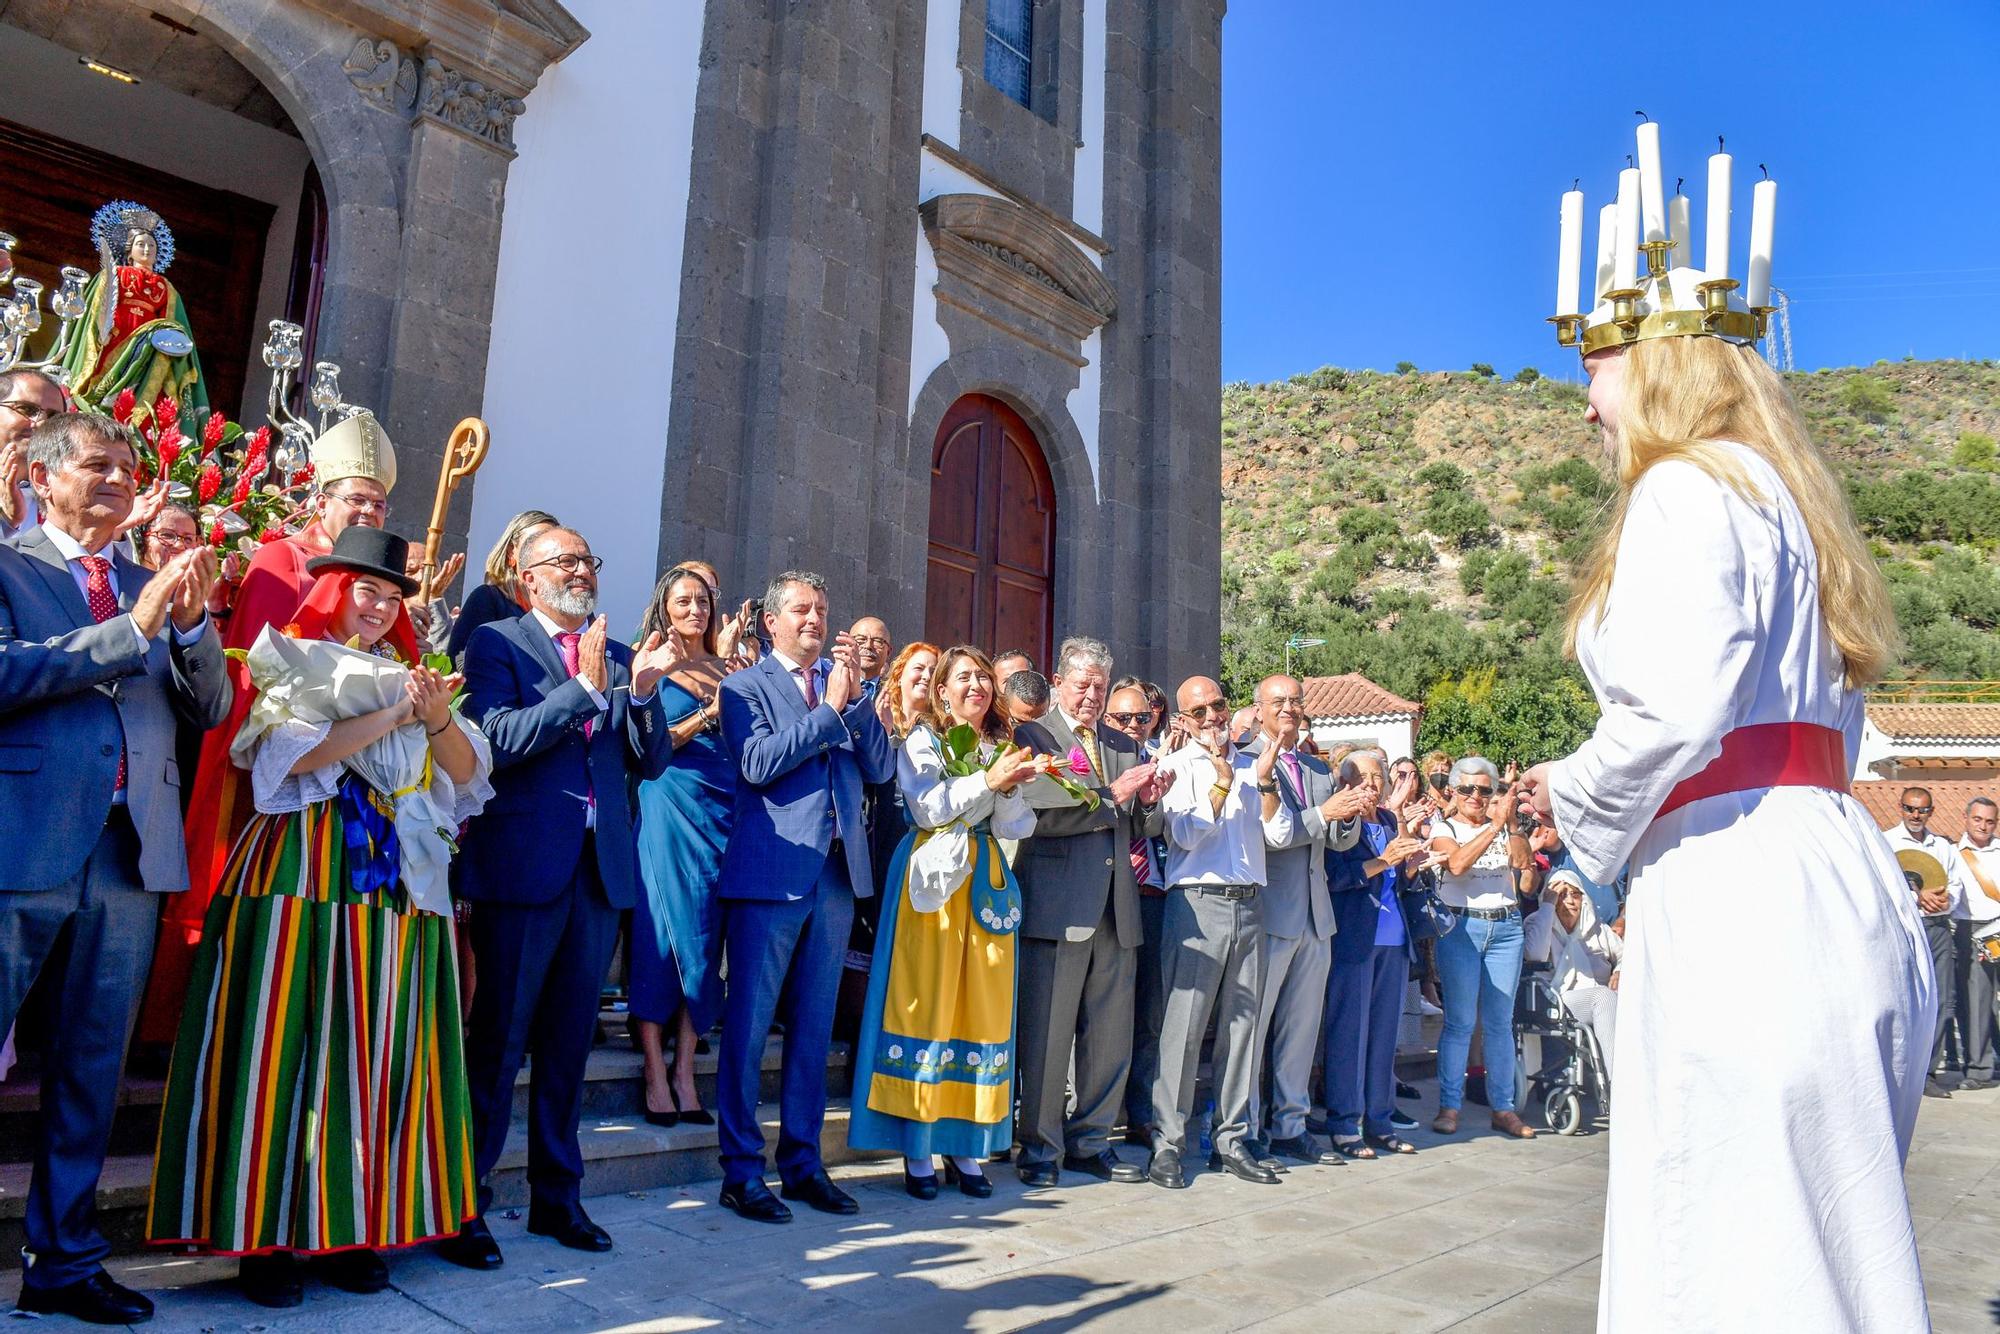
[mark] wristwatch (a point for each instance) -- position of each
(1269, 787)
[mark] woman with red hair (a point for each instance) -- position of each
(316, 1103)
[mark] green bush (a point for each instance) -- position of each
(1866, 397)
(1482, 370)
(1405, 367)
(1443, 475)
(1975, 450)
(1527, 375)
(1361, 523)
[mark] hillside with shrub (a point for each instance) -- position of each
(1427, 525)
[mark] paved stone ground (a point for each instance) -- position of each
(1476, 1234)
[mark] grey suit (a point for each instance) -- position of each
(1298, 951)
(1079, 939)
(73, 900)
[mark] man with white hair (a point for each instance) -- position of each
(1080, 930)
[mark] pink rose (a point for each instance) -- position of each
(1079, 763)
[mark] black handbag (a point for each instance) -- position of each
(1424, 912)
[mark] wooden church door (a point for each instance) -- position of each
(991, 568)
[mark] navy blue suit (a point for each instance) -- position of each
(797, 858)
(1364, 991)
(546, 891)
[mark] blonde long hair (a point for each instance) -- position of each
(1681, 397)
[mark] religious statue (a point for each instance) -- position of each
(135, 330)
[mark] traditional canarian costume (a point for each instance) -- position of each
(1776, 997)
(317, 1097)
(273, 588)
(934, 1065)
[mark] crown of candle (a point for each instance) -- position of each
(1671, 297)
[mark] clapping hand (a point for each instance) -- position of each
(843, 683)
(1534, 789)
(656, 657)
(1344, 804)
(197, 582)
(1132, 783)
(592, 667)
(13, 471)
(1401, 848)
(430, 694)
(1400, 794)
(146, 507)
(162, 593)
(1010, 768)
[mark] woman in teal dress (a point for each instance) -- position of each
(683, 826)
(934, 1062)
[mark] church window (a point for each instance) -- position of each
(1010, 32)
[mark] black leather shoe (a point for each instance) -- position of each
(818, 1192)
(358, 1271)
(979, 1186)
(1238, 1163)
(275, 1280)
(97, 1300)
(1261, 1152)
(753, 1200)
(1303, 1149)
(1037, 1175)
(1106, 1166)
(1165, 1169)
(473, 1247)
(921, 1188)
(568, 1227)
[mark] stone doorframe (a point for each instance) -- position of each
(408, 110)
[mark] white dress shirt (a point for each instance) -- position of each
(1957, 880)
(798, 671)
(1205, 847)
(1980, 906)
(556, 632)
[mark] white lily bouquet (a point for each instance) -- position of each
(320, 683)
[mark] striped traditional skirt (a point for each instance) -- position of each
(317, 1094)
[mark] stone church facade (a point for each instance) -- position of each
(924, 294)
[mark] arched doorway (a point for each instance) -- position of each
(991, 568)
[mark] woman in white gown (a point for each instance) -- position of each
(1776, 995)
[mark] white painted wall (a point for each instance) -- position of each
(1089, 206)
(43, 87)
(944, 82)
(1396, 736)
(596, 202)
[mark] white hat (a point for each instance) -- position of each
(356, 446)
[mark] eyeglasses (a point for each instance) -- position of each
(570, 563)
(1287, 703)
(1130, 719)
(360, 503)
(33, 413)
(877, 640)
(174, 539)
(1470, 789)
(1218, 708)
(1916, 810)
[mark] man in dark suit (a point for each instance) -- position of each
(1080, 933)
(1298, 930)
(90, 689)
(805, 737)
(548, 866)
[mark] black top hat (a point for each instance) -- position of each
(374, 551)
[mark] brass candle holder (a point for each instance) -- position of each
(1569, 329)
(1714, 294)
(1763, 316)
(1656, 257)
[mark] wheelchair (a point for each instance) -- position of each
(1557, 1063)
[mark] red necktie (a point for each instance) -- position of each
(567, 641)
(103, 605)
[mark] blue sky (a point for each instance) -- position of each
(1391, 171)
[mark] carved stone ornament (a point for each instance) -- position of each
(1015, 268)
(466, 104)
(384, 72)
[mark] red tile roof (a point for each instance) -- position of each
(1354, 696)
(1937, 722)
(1883, 798)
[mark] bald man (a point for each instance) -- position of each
(872, 646)
(1222, 810)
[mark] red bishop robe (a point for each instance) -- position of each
(274, 587)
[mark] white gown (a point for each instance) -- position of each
(1776, 1000)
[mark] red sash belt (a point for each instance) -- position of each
(1768, 755)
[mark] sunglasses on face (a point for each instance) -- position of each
(1916, 810)
(1130, 719)
(1218, 710)
(1474, 789)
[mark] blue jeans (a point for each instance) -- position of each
(1480, 966)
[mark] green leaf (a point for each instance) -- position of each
(960, 742)
(237, 654)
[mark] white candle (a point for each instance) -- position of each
(1677, 232)
(1652, 186)
(1625, 251)
(1569, 256)
(1715, 256)
(1763, 210)
(1607, 250)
